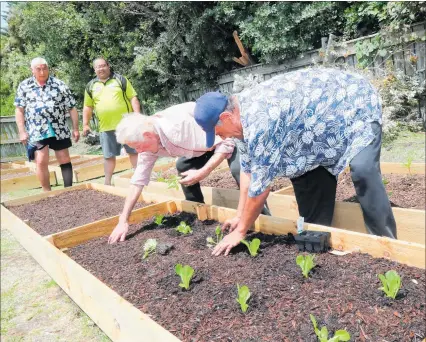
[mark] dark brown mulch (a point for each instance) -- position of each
(70, 209)
(223, 179)
(341, 293)
(16, 175)
(405, 191)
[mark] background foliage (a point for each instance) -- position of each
(166, 48)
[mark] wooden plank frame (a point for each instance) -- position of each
(410, 222)
(25, 182)
(118, 318)
(90, 172)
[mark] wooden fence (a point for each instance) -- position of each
(344, 53)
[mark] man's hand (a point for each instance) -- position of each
(75, 135)
(23, 137)
(228, 242)
(86, 130)
(192, 177)
(119, 233)
(231, 224)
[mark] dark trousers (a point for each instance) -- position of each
(193, 192)
(316, 191)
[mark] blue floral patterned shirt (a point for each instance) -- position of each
(45, 108)
(295, 122)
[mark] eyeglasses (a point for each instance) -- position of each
(102, 66)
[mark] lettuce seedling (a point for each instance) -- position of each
(391, 282)
(172, 182)
(219, 236)
(339, 335)
(185, 272)
(306, 263)
(252, 246)
(159, 220)
(243, 297)
(149, 248)
(184, 228)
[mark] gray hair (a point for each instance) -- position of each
(132, 127)
(230, 106)
(38, 61)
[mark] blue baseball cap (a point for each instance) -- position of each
(207, 110)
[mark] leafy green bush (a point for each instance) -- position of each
(391, 283)
(243, 297)
(339, 335)
(149, 248)
(184, 229)
(211, 242)
(252, 246)
(306, 263)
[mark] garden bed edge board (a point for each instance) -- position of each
(25, 182)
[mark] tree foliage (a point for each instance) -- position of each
(165, 48)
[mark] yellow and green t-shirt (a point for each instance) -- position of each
(109, 102)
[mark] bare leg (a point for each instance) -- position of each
(42, 170)
(133, 159)
(109, 166)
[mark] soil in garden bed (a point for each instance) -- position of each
(16, 175)
(70, 209)
(405, 191)
(223, 179)
(342, 291)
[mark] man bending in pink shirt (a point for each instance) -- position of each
(171, 133)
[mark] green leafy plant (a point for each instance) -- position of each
(211, 242)
(306, 263)
(252, 246)
(408, 163)
(386, 182)
(185, 272)
(243, 297)
(339, 335)
(183, 228)
(391, 282)
(159, 219)
(172, 182)
(149, 248)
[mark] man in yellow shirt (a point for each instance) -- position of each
(111, 96)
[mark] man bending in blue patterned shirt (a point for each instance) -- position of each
(307, 125)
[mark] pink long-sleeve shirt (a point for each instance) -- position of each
(180, 136)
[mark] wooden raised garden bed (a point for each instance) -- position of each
(87, 167)
(348, 216)
(17, 176)
(342, 291)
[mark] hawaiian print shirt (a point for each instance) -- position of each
(295, 122)
(45, 106)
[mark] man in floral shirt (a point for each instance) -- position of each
(42, 104)
(307, 125)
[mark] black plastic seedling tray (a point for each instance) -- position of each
(313, 241)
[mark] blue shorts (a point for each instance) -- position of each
(110, 146)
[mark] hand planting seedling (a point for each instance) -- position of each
(172, 182)
(243, 297)
(185, 272)
(149, 248)
(159, 220)
(306, 263)
(183, 228)
(339, 335)
(252, 246)
(219, 236)
(391, 282)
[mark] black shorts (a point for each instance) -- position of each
(53, 144)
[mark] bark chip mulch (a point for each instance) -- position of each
(223, 179)
(70, 209)
(405, 191)
(342, 291)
